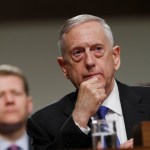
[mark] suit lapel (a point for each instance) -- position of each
(130, 103)
(30, 144)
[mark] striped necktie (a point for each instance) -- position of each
(102, 111)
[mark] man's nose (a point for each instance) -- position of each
(9, 98)
(89, 59)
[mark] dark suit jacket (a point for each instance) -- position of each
(30, 144)
(53, 126)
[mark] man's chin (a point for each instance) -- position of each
(7, 128)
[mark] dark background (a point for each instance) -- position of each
(53, 9)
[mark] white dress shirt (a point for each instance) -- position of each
(115, 113)
(22, 143)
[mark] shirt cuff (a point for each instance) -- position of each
(84, 130)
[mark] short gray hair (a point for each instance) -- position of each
(6, 70)
(70, 23)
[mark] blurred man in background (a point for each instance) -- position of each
(15, 107)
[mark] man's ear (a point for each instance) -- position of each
(29, 105)
(62, 64)
(116, 57)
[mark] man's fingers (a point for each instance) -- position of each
(128, 144)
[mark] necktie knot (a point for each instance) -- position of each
(102, 111)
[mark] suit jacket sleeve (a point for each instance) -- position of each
(68, 136)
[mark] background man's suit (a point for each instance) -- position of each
(30, 144)
(53, 126)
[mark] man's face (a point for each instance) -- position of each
(88, 53)
(15, 105)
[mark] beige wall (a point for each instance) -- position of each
(33, 47)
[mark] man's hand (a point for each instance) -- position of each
(91, 95)
(128, 144)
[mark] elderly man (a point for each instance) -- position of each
(89, 60)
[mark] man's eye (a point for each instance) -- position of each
(16, 93)
(1, 95)
(77, 52)
(98, 49)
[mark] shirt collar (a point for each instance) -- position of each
(113, 100)
(22, 142)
